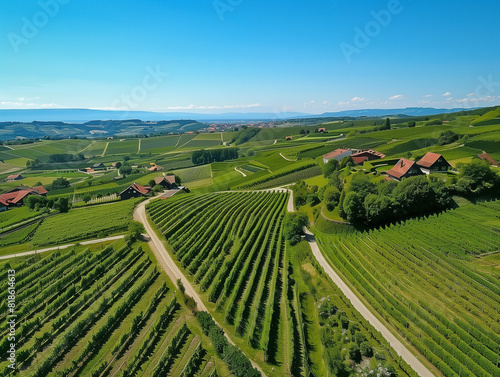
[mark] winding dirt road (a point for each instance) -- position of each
(399, 347)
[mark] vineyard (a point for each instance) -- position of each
(427, 278)
(90, 222)
(16, 215)
(283, 176)
(108, 312)
(233, 247)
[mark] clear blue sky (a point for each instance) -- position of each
(251, 56)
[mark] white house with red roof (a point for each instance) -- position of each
(16, 196)
(433, 163)
(14, 177)
(403, 169)
(338, 154)
(135, 190)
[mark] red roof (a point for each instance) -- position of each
(401, 168)
(335, 153)
(144, 190)
(369, 152)
(169, 178)
(155, 168)
(39, 189)
(14, 197)
(487, 157)
(13, 176)
(365, 156)
(429, 159)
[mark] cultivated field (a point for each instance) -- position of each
(428, 278)
(105, 312)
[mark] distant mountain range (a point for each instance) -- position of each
(86, 115)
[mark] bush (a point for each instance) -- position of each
(294, 226)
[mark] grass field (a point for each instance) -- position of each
(126, 146)
(160, 144)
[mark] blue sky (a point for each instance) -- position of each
(248, 56)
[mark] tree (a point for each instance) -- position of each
(347, 161)
(354, 353)
(35, 201)
(447, 137)
(125, 170)
(60, 183)
(331, 197)
(118, 165)
(353, 209)
(135, 229)
(386, 125)
(294, 226)
(331, 166)
(476, 178)
(181, 286)
(62, 205)
(412, 124)
(86, 198)
(366, 349)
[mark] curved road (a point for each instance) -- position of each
(399, 347)
(168, 264)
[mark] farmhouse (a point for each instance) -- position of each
(322, 130)
(367, 155)
(433, 163)
(338, 154)
(14, 177)
(98, 165)
(288, 138)
(155, 168)
(16, 196)
(167, 181)
(135, 190)
(404, 169)
(487, 157)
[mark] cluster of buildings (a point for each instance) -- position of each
(17, 196)
(136, 190)
(404, 168)
(430, 163)
(357, 155)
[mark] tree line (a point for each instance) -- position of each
(214, 155)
